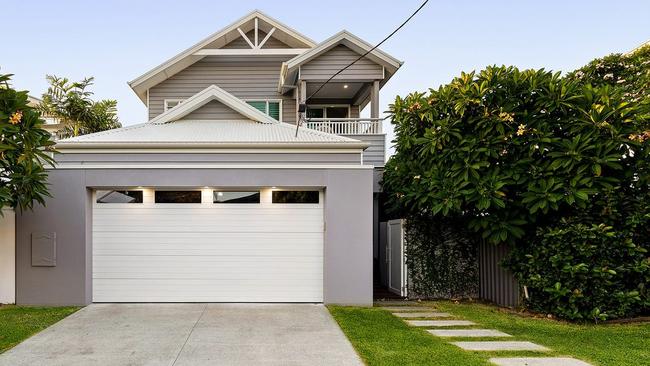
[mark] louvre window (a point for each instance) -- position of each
(272, 108)
(295, 197)
(119, 196)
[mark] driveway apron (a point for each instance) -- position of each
(189, 334)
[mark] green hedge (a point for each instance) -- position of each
(511, 155)
(582, 272)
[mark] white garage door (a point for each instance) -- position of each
(207, 252)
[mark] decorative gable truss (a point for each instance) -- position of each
(264, 30)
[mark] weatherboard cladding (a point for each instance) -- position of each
(327, 64)
(375, 154)
(244, 79)
(214, 110)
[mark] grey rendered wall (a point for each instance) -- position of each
(375, 154)
(327, 64)
(244, 79)
(495, 283)
(68, 215)
(348, 217)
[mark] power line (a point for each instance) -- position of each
(300, 118)
(370, 50)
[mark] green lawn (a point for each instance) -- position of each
(18, 323)
(382, 339)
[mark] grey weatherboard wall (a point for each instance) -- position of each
(244, 78)
(330, 62)
(348, 216)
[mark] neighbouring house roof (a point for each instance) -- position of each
(219, 39)
(210, 134)
(644, 44)
(207, 95)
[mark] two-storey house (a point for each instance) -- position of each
(231, 191)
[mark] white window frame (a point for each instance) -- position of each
(166, 101)
(267, 105)
(325, 106)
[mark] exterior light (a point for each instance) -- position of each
(274, 187)
(345, 86)
(220, 194)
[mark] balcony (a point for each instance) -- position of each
(365, 129)
(346, 126)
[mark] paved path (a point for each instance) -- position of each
(189, 334)
(422, 312)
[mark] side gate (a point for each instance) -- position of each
(397, 274)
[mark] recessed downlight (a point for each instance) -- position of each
(345, 86)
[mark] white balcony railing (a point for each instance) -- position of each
(346, 126)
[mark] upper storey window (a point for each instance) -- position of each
(171, 103)
(270, 107)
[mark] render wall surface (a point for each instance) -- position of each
(7, 256)
(348, 218)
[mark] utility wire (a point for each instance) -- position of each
(360, 57)
(370, 50)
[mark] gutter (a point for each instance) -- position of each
(210, 145)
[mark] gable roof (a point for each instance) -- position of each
(345, 38)
(207, 95)
(194, 134)
(216, 40)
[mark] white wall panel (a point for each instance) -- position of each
(7, 257)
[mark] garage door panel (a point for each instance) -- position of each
(207, 253)
(132, 247)
(203, 291)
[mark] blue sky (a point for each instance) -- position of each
(116, 41)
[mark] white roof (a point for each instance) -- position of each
(210, 133)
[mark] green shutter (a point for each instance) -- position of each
(261, 106)
(274, 110)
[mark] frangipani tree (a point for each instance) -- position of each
(24, 150)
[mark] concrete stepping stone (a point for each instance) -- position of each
(407, 308)
(422, 315)
(467, 333)
(439, 323)
(538, 361)
(500, 346)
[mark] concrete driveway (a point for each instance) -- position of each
(189, 334)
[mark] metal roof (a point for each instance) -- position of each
(210, 133)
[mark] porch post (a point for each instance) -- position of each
(374, 99)
(301, 96)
